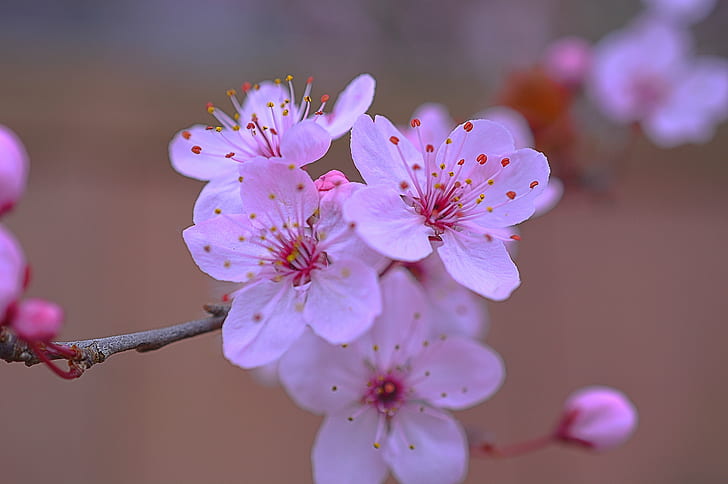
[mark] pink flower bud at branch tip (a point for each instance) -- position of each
(37, 320)
(330, 180)
(599, 418)
(13, 169)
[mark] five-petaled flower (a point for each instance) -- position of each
(301, 263)
(384, 395)
(461, 198)
(267, 124)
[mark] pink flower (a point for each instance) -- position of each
(568, 60)
(384, 395)
(513, 121)
(13, 169)
(682, 11)
(12, 273)
(302, 264)
(645, 74)
(37, 320)
(459, 199)
(598, 418)
(330, 180)
(455, 310)
(267, 124)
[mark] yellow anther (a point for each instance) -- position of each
(376, 445)
(489, 209)
(434, 174)
(448, 141)
(292, 256)
(231, 92)
(285, 112)
(307, 99)
(481, 196)
(270, 104)
(289, 78)
(491, 181)
(272, 196)
(452, 173)
(277, 81)
(211, 109)
(442, 166)
(236, 128)
(218, 129)
(236, 116)
(241, 238)
(468, 181)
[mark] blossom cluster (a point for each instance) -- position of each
(33, 320)
(365, 298)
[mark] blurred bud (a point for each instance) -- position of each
(13, 169)
(330, 180)
(37, 320)
(12, 272)
(568, 60)
(599, 418)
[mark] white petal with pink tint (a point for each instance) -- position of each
(262, 324)
(199, 152)
(436, 124)
(314, 383)
(486, 137)
(351, 103)
(12, 270)
(385, 223)
(342, 300)
(219, 196)
(513, 121)
(304, 143)
(426, 447)
(13, 169)
(343, 451)
(483, 267)
(549, 197)
(457, 373)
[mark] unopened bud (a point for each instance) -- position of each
(37, 320)
(13, 169)
(599, 418)
(12, 272)
(330, 180)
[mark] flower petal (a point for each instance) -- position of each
(344, 451)
(198, 152)
(485, 137)
(376, 157)
(513, 121)
(426, 447)
(459, 373)
(219, 196)
(222, 248)
(264, 321)
(435, 124)
(304, 143)
(13, 169)
(385, 223)
(322, 377)
(273, 192)
(483, 267)
(351, 103)
(12, 271)
(549, 197)
(342, 300)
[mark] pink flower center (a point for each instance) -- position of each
(258, 125)
(386, 393)
(648, 92)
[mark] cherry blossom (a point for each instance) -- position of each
(37, 320)
(13, 169)
(385, 396)
(568, 60)
(599, 418)
(300, 262)
(12, 273)
(459, 200)
(645, 74)
(268, 123)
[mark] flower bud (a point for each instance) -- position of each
(13, 169)
(568, 60)
(598, 418)
(12, 273)
(37, 320)
(330, 180)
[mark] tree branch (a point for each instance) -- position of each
(92, 351)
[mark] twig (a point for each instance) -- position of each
(92, 351)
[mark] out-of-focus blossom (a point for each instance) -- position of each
(599, 418)
(646, 74)
(302, 264)
(13, 169)
(384, 396)
(330, 180)
(37, 320)
(268, 124)
(459, 200)
(568, 60)
(681, 11)
(12, 273)
(514, 122)
(455, 310)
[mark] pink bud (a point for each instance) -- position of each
(37, 320)
(12, 272)
(330, 180)
(13, 169)
(568, 60)
(599, 418)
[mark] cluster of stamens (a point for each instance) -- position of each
(386, 393)
(249, 134)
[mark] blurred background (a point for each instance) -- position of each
(625, 289)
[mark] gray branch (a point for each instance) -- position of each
(13, 349)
